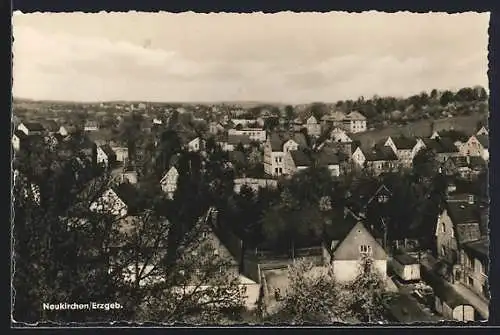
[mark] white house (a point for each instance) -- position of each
(31, 128)
(403, 147)
(169, 182)
(340, 136)
(121, 153)
(105, 155)
(91, 126)
(17, 137)
(255, 134)
(354, 122)
(483, 131)
(275, 149)
(63, 131)
(196, 144)
(349, 240)
(307, 120)
(476, 145)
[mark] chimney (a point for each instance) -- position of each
(470, 199)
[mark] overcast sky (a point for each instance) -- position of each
(285, 57)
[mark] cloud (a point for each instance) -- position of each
(278, 66)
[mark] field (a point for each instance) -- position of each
(422, 128)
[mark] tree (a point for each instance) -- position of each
(67, 251)
(369, 298)
(312, 296)
(289, 112)
(446, 98)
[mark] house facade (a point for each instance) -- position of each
(346, 253)
(275, 150)
(169, 182)
(254, 183)
(477, 145)
(255, 134)
(404, 148)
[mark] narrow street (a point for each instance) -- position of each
(407, 309)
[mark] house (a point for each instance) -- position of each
(31, 128)
(215, 128)
(105, 155)
(169, 182)
(196, 144)
(307, 120)
(462, 243)
(483, 131)
(255, 134)
(17, 140)
(406, 267)
(378, 160)
(91, 126)
(442, 147)
(354, 122)
(330, 160)
(121, 154)
(348, 240)
(477, 145)
(295, 161)
(403, 147)
(276, 147)
(234, 140)
(464, 166)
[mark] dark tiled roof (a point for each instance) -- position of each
(405, 259)
(459, 161)
(404, 143)
(236, 139)
(476, 161)
(327, 157)
(479, 248)
(381, 154)
(300, 158)
(279, 138)
(21, 135)
(355, 116)
(33, 126)
(441, 145)
(341, 225)
(484, 140)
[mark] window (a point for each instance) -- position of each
(365, 249)
(443, 227)
(276, 170)
(468, 261)
(470, 281)
(280, 170)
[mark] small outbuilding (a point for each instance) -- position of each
(406, 267)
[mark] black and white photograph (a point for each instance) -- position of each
(231, 169)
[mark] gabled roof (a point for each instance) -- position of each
(342, 224)
(465, 217)
(440, 145)
(278, 139)
(404, 143)
(405, 259)
(459, 161)
(381, 190)
(300, 158)
(381, 154)
(21, 135)
(355, 116)
(33, 126)
(484, 140)
(304, 115)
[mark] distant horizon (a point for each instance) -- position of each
(289, 58)
(236, 102)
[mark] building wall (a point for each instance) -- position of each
(358, 157)
(446, 242)
(334, 170)
(357, 126)
(474, 274)
(348, 270)
(472, 148)
(169, 184)
(256, 134)
(102, 158)
(16, 143)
